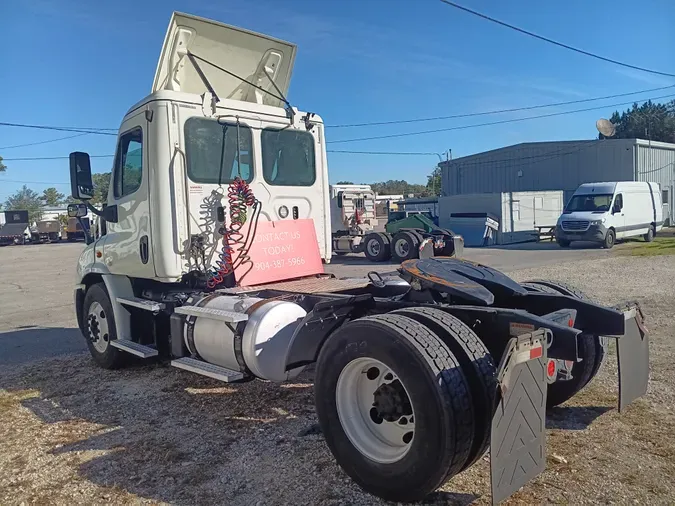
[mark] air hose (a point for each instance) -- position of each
(240, 197)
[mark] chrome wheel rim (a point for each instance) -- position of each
(375, 410)
(97, 324)
(402, 248)
(373, 248)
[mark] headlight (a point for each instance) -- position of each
(283, 212)
(598, 222)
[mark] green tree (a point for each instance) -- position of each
(101, 182)
(647, 121)
(434, 183)
(25, 199)
(399, 187)
(3, 167)
(52, 197)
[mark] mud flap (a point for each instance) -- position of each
(518, 435)
(632, 351)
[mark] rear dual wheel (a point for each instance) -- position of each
(405, 245)
(377, 247)
(396, 404)
(591, 349)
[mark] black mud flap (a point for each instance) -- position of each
(518, 436)
(632, 351)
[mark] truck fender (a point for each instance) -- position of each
(117, 286)
(324, 319)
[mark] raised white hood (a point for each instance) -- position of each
(247, 54)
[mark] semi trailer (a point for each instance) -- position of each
(210, 256)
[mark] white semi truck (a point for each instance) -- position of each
(418, 372)
(353, 222)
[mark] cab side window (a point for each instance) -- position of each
(129, 163)
(618, 203)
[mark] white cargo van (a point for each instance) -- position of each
(605, 212)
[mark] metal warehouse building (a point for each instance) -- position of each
(562, 165)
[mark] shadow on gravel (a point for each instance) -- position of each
(573, 417)
(29, 343)
(171, 436)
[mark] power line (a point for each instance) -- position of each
(560, 44)
(401, 153)
(30, 182)
(499, 111)
(33, 158)
(500, 122)
(42, 142)
(96, 131)
(645, 172)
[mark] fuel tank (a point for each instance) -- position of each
(257, 346)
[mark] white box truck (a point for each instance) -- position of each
(606, 212)
(418, 372)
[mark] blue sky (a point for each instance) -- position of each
(82, 63)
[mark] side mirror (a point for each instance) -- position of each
(77, 210)
(81, 184)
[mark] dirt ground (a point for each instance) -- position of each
(75, 434)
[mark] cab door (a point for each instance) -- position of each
(128, 247)
(618, 216)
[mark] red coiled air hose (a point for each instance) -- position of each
(240, 197)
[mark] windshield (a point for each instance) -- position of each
(211, 151)
(288, 157)
(594, 202)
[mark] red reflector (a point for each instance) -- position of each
(550, 369)
(535, 352)
(570, 322)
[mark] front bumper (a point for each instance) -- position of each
(595, 233)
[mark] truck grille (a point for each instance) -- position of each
(575, 226)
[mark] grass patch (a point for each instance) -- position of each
(660, 246)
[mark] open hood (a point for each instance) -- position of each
(249, 55)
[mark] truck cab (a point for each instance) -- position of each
(216, 111)
(605, 212)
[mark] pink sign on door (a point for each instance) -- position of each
(281, 250)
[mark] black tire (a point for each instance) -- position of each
(111, 357)
(476, 362)
(649, 236)
(400, 253)
(439, 396)
(610, 239)
(563, 243)
(591, 348)
(376, 247)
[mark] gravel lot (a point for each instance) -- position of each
(75, 434)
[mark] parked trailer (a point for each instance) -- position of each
(47, 231)
(75, 229)
(418, 372)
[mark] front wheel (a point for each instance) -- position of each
(563, 243)
(98, 328)
(610, 239)
(394, 406)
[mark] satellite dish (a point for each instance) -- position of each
(605, 127)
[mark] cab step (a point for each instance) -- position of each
(222, 315)
(148, 305)
(140, 350)
(206, 369)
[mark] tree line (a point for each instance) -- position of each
(29, 200)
